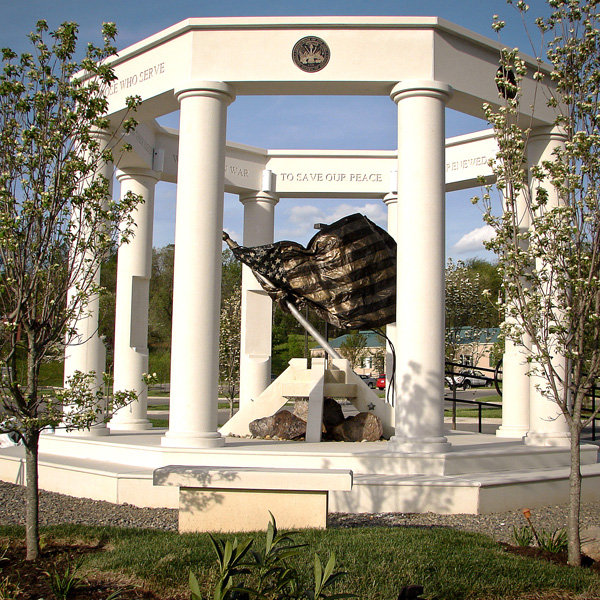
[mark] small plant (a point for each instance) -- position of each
(326, 579)
(65, 582)
(557, 541)
(522, 536)
(3, 551)
(118, 593)
(9, 590)
(267, 571)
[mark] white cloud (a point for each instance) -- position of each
(473, 241)
(305, 214)
(298, 221)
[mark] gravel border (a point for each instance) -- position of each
(58, 508)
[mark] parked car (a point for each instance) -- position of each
(467, 379)
(381, 382)
(370, 381)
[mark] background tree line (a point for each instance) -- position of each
(472, 287)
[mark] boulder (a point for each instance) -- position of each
(283, 425)
(365, 426)
(301, 408)
(332, 412)
(590, 542)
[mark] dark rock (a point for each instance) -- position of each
(283, 425)
(364, 426)
(332, 413)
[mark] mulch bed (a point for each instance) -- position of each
(32, 580)
(558, 558)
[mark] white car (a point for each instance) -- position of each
(467, 379)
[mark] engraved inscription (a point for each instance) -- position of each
(466, 163)
(236, 171)
(126, 83)
(338, 177)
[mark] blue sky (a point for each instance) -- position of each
(278, 122)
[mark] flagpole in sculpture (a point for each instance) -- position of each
(291, 308)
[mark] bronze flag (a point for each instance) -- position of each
(346, 274)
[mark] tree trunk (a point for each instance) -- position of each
(32, 537)
(574, 499)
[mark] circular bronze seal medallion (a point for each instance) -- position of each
(311, 54)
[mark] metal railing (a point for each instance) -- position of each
(495, 380)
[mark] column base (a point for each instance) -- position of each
(93, 432)
(192, 440)
(508, 431)
(138, 425)
(561, 440)
(419, 445)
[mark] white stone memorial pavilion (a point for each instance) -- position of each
(199, 67)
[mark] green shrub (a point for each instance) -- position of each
(63, 583)
(557, 541)
(266, 574)
(522, 536)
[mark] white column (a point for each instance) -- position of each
(547, 425)
(257, 306)
(86, 351)
(391, 201)
(515, 365)
(134, 269)
(421, 261)
(515, 390)
(197, 270)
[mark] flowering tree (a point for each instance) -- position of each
(548, 236)
(57, 224)
(229, 344)
(466, 305)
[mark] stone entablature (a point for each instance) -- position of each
(313, 173)
(254, 56)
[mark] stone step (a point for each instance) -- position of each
(473, 493)
(301, 389)
(476, 492)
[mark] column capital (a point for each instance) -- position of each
(211, 89)
(549, 133)
(260, 196)
(391, 198)
(105, 134)
(126, 173)
(421, 88)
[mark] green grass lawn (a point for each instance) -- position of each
(490, 412)
(451, 565)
